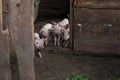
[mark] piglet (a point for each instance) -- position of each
(38, 43)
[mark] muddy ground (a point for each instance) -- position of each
(58, 66)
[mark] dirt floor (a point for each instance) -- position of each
(58, 66)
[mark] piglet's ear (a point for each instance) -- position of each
(53, 22)
(52, 27)
(67, 26)
(41, 31)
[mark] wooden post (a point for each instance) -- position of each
(5, 73)
(21, 31)
(71, 25)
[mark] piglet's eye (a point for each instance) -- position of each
(36, 42)
(35, 38)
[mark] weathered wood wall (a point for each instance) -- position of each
(21, 31)
(5, 14)
(36, 8)
(100, 25)
(5, 73)
(16, 21)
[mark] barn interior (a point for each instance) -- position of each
(51, 10)
(58, 63)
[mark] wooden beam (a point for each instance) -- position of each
(0, 16)
(21, 31)
(71, 25)
(104, 4)
(5, 72)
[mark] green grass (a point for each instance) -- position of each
(76, 77)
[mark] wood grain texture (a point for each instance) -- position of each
(114, 4)
(21, 31)
(100, 31)
(5, 72)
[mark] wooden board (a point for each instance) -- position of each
(115, 4)
(5, 73)
(21, 31)
(100, 31)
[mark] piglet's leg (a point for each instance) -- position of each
(63, 43)
(66, 44)
(58, 40)
(55, 41)
(46, 41)
(39, 53)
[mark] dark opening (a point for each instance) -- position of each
(53, 9)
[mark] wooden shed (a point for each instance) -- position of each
(100, 30)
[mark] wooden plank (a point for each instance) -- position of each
(100, 30)
(71, 24)
(5, 72)
(5, 14)
(21, 30)
(97, 3)
(0, 16)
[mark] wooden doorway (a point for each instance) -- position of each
(54, 11)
